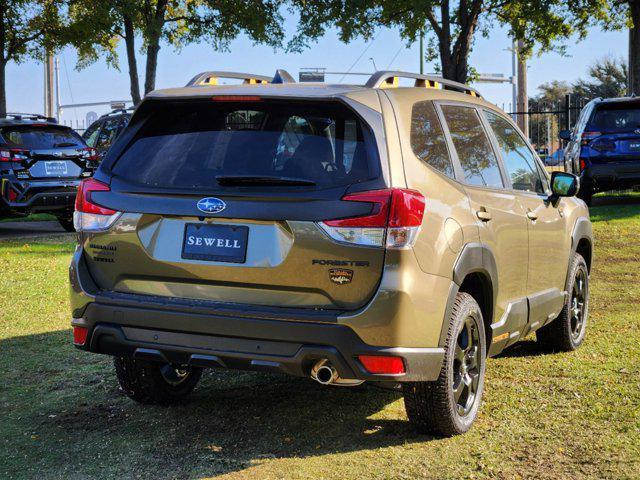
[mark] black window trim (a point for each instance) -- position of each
(457, 166)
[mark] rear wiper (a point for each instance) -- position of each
(261, 180)
(65, 144)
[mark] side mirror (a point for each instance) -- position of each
(564, 184)
(565, 135)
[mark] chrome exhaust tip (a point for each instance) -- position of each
(325, 373)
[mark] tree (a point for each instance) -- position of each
(451, 25)
(97, 27)
(24, 28)
(608, 78)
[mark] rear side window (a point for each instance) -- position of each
(427, 138)
(189, 144)
(614, 117)
(518, 160)
(40, 137)
(477, 159)
(91, 134)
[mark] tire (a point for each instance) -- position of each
(66, 223)
(432, 407)
(155, 383)
(566, 333)
(586, 195)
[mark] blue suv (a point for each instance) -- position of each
(604, 146)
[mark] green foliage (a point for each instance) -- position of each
(450, 26)
(608, 78)
(26, 28)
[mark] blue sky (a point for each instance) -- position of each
(490, 55)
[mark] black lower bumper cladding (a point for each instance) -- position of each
(226, 341)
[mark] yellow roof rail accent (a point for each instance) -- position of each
(390, 79)
(391, 82)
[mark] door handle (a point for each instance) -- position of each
(483, 215)
(532, 215)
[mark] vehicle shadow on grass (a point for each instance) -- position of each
(233, 420)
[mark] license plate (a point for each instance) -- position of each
(218, 243)
(634, 146)
(55, 169)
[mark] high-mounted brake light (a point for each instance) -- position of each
(396, 215)
(236, 98)
(89, 215)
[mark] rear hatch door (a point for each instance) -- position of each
(222, 202)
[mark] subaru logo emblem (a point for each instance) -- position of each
(211, 205)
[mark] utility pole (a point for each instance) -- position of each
(523, 99)
(422, 51)
(514, 84)
(48, 86)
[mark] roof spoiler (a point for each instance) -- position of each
(28, 116)
(390, 79)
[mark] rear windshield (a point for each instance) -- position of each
(35, 137)
(616, 117)
(189, 144)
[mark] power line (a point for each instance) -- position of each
(358, 59)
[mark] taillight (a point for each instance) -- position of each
(89, 215)
(583, 164)
(90, 154)
(382, 365)
(603, 145)
(394, 220)
(587, 136)
(14, 155)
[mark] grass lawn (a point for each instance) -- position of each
(544, 416)
(34, 217)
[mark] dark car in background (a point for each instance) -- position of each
(604, 146)
(41, 165)
(101, 133)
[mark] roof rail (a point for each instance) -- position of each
(390, 79)
(29, 116)
(282, 76)
(211, 78)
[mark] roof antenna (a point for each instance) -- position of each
(282, 76)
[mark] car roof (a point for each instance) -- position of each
(284, 86)
(11, 119)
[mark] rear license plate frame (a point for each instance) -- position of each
(56, 168)
(231, 235)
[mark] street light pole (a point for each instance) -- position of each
(422, 51)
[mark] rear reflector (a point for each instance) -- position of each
(90, 216)
(382, 365)
(396, 215)
(80, 335)
(583, 164)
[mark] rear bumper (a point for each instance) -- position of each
(612, 175)
(223, 340)
(37, 196)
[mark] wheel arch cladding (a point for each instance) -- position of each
(475, 273)
(582, 240)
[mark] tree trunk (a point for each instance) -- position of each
(523, 98)
(3, 94)
(155, 25)
(634, 48)
(152, 65)
(129, 40)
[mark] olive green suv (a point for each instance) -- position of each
(383, 233)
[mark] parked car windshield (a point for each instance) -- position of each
(195, 144)
(36, 137)
(616, 117)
